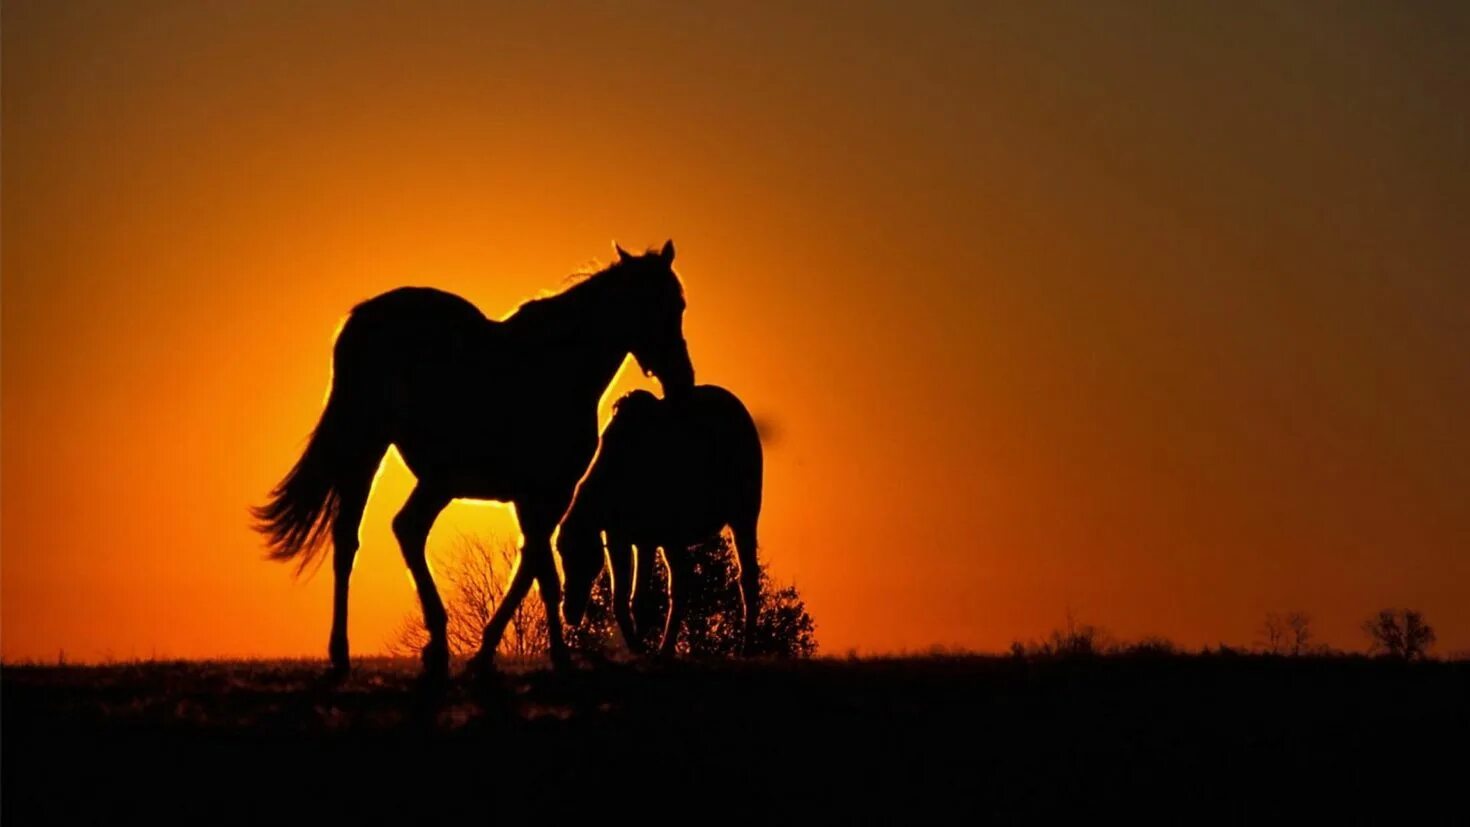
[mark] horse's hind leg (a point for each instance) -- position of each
(537, 521)
(411, 527)
(520, 586)
(352, 489)
(750, 580)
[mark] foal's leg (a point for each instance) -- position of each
(620, 553)
(750, 580)
(411, 527)
(643, 579)
(680, 574)
(353, 491)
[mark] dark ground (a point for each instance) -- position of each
(1187, 738)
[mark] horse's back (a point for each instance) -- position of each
(717, 451)
(418, 358)
(721, 422)
(719, 407)
(416, 307)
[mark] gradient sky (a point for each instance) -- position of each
(1156, 313)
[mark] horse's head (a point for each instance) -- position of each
(654, 313)
(614, 477)
(580, 545)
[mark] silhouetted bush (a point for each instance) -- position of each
(1084, 640)
(1074, 640)
(1151, 646)
(715, 618)
(474, 582)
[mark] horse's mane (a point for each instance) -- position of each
(567, 311)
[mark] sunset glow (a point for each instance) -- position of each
(1161, 320)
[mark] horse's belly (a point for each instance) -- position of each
(496, 461)
(464, 467)
(673, 524)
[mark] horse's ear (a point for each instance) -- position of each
(622, 254)
(667, 253)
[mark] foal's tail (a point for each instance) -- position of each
(298, 518)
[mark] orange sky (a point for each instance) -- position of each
(1155, 314)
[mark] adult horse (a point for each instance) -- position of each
(478, 409)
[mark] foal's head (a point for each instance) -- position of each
(649, 302)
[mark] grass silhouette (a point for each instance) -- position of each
(1223, 735)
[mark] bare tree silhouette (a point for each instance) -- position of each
(475, 577)
(1287, 634)
(1399, 633)
(1299, 624)
(1273, 634)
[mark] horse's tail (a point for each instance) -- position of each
(297, 520)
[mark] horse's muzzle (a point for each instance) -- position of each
(677, 376)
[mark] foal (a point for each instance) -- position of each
(668, 474)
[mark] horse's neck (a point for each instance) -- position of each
(593, 370)
(581, 352)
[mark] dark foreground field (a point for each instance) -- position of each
(1201, 737)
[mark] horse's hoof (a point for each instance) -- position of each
(432, 682)
(436, 663)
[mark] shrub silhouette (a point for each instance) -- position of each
(716, 614)
(475, 584)
(1073, 640)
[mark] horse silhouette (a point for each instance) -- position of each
(478, 409)
(668, 474)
